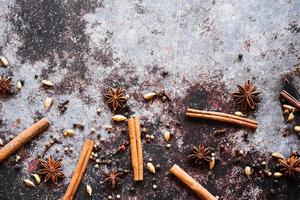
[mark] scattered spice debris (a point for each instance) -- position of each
(51, 169)
(62, 106)
(113, 177)
(115, 98)
(200, 154)
(246, 97)
(5, 85)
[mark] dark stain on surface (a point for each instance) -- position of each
(49, 28)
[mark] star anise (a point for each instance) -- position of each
(112, 177)
(115, 98)
(290, 166)
(5, 85)
(246, 97)
(52, 169)
(200, 154)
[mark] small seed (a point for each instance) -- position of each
(297, 129)
(37, 178)
(152, 137)
(290, 117)
(109, 197)
(66, 149)
(212, 163)
(151, 167)
(71, 149)
(1, 142)
(268, 173)
(93, 130)
(96, 166)
(248, 171)
(18, 158)
(48, 103)
(47, 83)
(97, 160)
(278, 174)
(168, 146)
(213, 154)
(118, 196)
(154, 187)
(19, 85)
(167, 135)
(89, 189)
(28, 183)
(147, 136)
(98, 111)
(119, 118)
(149, 95)
(11, 137)
(277, 155)
(239, 113)
(3, 61)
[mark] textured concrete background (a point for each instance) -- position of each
(188, 48)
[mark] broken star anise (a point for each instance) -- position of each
(5, 85)
(246, 97)
(112, 177)
(115, 98)
(200, 154)
(291, 166)
(51, 169)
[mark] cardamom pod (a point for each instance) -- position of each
(119, 118)
(48, 103)
(212, 163)
(151, 167)
(167, 135)
(47, 83)
(37, 178)
(248, 171)
(89, 189)
(291, 117)
(278, 174)
(149, 95)
(278, 155)
(239, 113)
(28, 183)
(3, 61)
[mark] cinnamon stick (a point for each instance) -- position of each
(223, 117)
(23, 138)
(133, 149)
(294, 102)
(79, 170)
(190, 110)
(136, 148)
(191, 183)
(139, 146)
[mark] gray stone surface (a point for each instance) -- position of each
(84, 47)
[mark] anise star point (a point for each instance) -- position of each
(291, 166)
(116, 98)
(112, 177)
(51, 169)
(200, 153)
(247, 96)
(5, 85)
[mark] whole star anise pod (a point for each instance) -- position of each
(112, 177)
(5, 85)
(290, 166)
(246, 97)
(115, 98)
(200, 154)
(52, 169)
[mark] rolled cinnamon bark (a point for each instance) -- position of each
(133, 148)
(79, 170)
(191, 183)
(294, 102)
(23, 138)
(139, 147)
(223, 117)
(190, 110)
